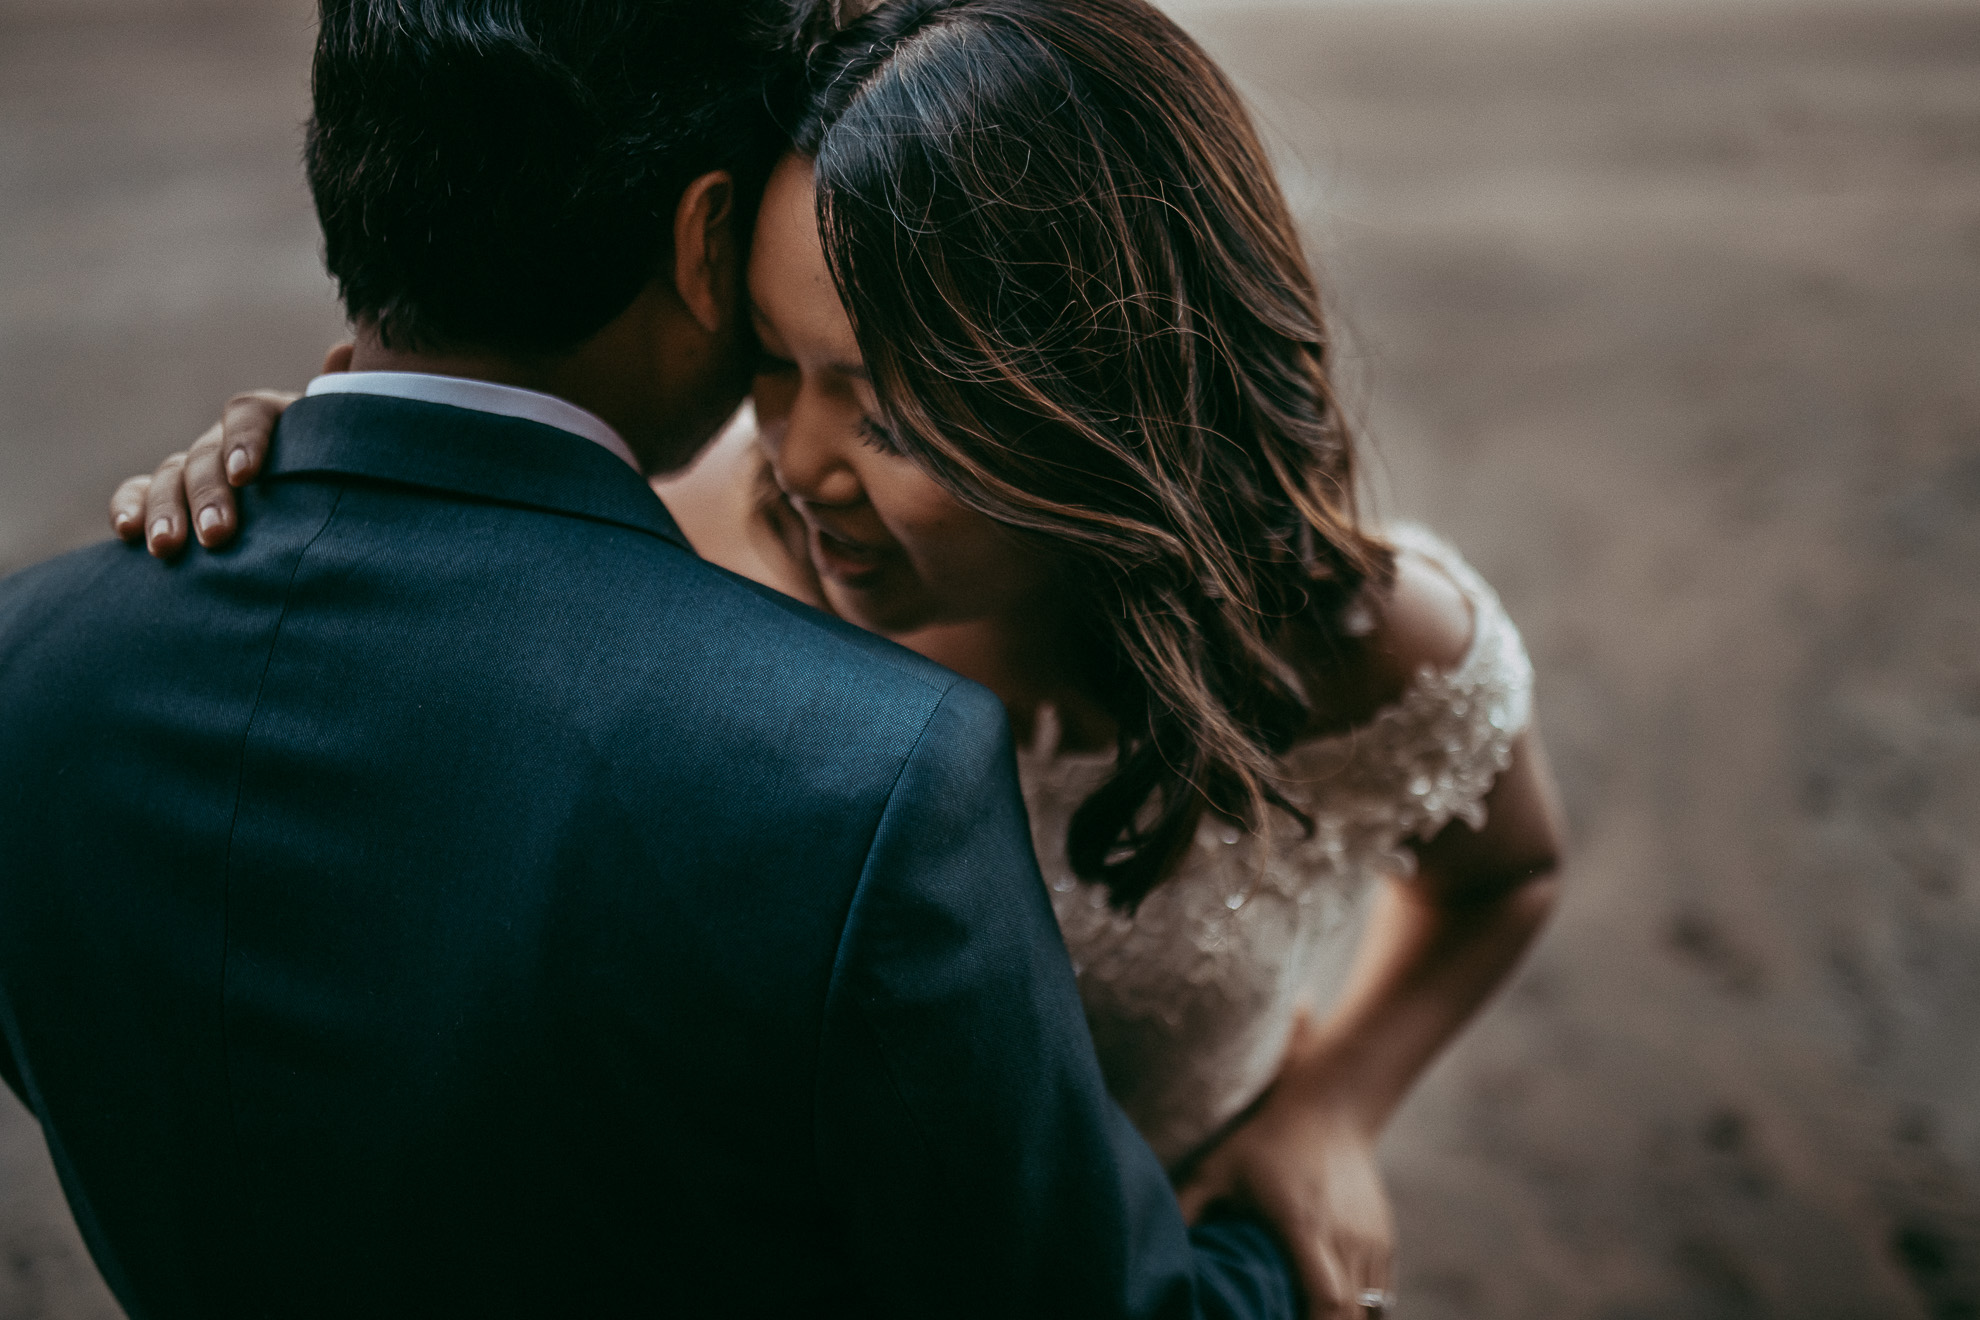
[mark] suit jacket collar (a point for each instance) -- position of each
(464, 452)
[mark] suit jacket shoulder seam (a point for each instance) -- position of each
(233, 820)
(839, 957)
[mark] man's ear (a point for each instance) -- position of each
(706, 250)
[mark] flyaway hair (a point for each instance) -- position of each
(1086, 311)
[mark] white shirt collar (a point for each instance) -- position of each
(480, 396)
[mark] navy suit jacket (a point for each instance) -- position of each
(459, 899)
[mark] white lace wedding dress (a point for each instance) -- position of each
(1193, 999)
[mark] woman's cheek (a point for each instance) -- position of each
(962, 559)
(984, 565)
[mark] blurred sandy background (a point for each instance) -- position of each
(1668, 313)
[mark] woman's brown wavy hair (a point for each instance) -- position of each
(1086, 312)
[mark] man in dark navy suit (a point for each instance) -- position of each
(458, 899)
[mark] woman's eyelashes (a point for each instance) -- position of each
(875, 436)
(769, 364)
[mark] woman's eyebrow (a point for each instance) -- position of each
(855, 369)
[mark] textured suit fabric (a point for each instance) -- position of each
(458, 899)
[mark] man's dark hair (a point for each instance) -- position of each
(503, 174)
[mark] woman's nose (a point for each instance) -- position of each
(807, 441)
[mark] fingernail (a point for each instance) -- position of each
(122, 523)
(209, 518)
(237, 462)
(161, 529)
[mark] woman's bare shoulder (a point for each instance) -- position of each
(1423, 621)
(724, 504)
(704, 496)
(1420, 620)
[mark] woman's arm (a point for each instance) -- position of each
(1438, 944)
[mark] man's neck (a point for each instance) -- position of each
(614, 375)
(370, 354)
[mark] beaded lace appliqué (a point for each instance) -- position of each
(1192, 999)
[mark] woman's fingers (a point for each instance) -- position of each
(1323, 1281)
(208, 496)
(127, 509)
(1323, 1278)
(246, 424)
(1370, 1277)
(1382, 1267)
(227, 457)
(192, 494)
(1323, 1198)
(165, 518)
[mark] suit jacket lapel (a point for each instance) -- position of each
(463, 452)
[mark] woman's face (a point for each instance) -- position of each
(894, 551)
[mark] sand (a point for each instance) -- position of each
(1668, 315)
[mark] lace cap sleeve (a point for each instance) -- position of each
(1433, 755)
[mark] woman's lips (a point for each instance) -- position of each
(846, 560)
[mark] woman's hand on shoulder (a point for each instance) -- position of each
(193, 491)
(1310, 1172)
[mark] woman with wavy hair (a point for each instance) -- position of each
(1044, 396)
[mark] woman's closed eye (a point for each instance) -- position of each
(876, 436)
(769, 364)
